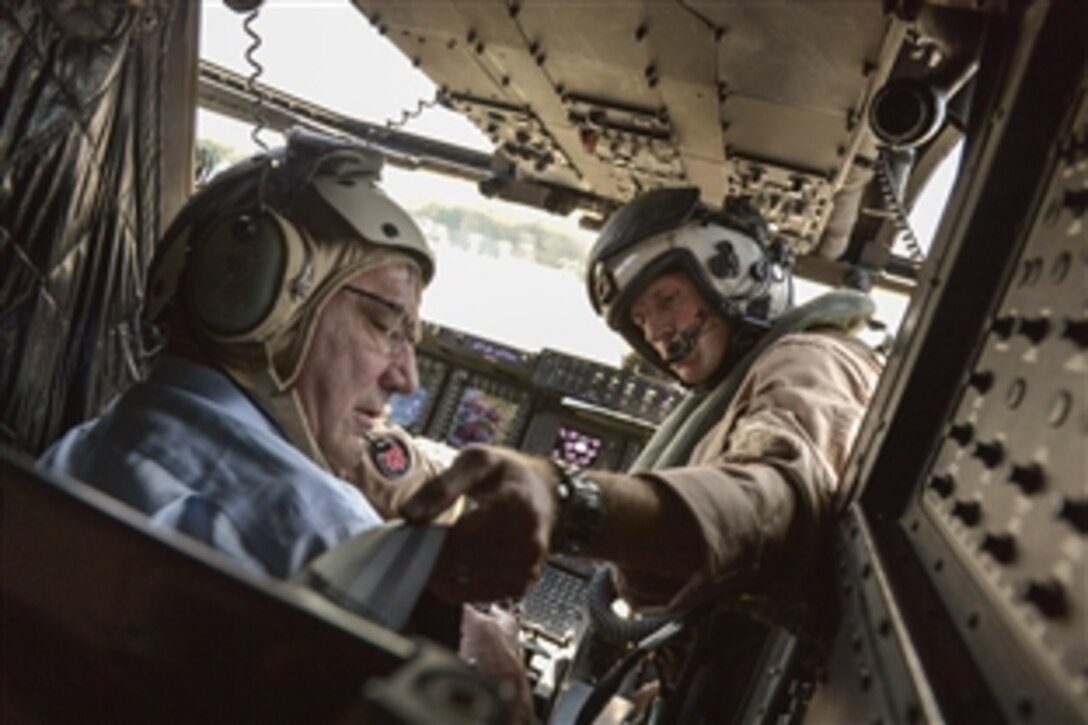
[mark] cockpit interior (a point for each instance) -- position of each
(960, 580)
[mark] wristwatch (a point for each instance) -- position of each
(581, 510)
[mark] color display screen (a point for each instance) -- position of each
(482, 417)
(575, 446)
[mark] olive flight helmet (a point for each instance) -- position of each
(253, 257)
(727, 254)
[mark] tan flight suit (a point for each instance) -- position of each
(762, 484)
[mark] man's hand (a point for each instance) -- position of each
(498, 546)
(489, 641)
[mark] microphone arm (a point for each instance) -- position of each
(685, 341)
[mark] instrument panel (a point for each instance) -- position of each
(474, 390)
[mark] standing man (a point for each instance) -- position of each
(732, 499)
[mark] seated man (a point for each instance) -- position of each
(288, 291)
(732, 499)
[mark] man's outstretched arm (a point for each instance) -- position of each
(498, 546)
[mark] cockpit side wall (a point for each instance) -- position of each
(95, 149)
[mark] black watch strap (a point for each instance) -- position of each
(581, 510)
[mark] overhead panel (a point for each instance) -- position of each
(617, 97)
(808, 54)
(609, 109)
(685, 47)
(793, 79)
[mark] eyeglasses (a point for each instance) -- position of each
(396, 331)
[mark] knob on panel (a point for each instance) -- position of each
(1046, 595)
(1074, 512)
(943, 484)
(1028, 477)
(1035, 329)
(1000, 546)
(981, 380)
(962, 433)
(991, 453)
(969, 512)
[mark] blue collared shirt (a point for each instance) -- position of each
(188, 448)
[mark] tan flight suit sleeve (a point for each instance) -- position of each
(763, 483)
(392, 468)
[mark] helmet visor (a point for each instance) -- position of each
(647, 216)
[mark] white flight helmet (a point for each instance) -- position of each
(726, 254)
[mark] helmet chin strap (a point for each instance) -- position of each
(686, 340)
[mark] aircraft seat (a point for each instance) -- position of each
(103, 618)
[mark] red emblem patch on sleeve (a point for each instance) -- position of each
(390, 456)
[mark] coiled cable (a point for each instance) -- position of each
(409, 114)
(895, 205)
(251, 80)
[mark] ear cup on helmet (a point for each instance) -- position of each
(240, 271)
(245, 274)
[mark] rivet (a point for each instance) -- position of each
(1060, 268)
(1059, 408)
(1014, 394)
(1036, 267)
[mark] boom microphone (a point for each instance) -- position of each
(685, 341)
